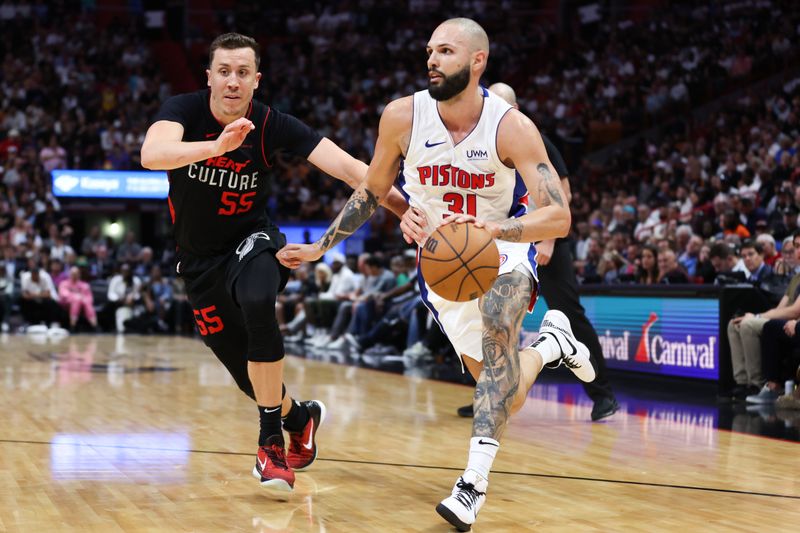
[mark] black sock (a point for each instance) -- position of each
(297, 417)
(270, 424)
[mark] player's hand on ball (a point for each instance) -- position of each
(492, 227)
(414, 226)
(233, 135)
(292, 255)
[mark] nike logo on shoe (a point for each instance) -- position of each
(429, 145)
(263, 464)
(310, 443)
(574, 348)
(481, 441)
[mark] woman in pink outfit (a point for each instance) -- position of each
(76, 295)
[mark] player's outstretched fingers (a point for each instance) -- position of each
(460, 219)
(414, 225)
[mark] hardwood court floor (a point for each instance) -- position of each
(150, 434)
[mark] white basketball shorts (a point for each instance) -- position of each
(462, 321)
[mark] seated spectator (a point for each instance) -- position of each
(690, 258)
(589, 267)
(321, 311)
(647, 273)
(669, 271)
(779, 342)
(144, 264)
(611, 264)
(6, 294)
(289, 305)
(76, 296)
(123, 295)
(722, 259)
(767, 243)
(101, 266)
(128, 251)
(92, 242)
(61, 250)
(745, 334)
(39, 299)
(363, 311)
(786, 265)
(753, 256)
(705, 272)
(732, 226)
(57, 273)
(182, 319)
(156, 301)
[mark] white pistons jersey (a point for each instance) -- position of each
(440, 177)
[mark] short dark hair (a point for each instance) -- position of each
(373, 261)
(721, 250)
(755, 245)
(232, 41)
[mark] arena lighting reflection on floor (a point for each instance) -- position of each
(666, 404)
(120, 457)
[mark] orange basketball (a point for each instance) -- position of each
(460, 262)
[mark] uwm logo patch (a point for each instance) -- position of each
(476, 154)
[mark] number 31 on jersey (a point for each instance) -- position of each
(456, 203)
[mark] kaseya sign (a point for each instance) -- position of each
(671, 336)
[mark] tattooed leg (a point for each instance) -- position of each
(530, 365)
(502, 308)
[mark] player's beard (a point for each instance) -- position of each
(449, 86)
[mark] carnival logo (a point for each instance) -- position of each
(660, 349)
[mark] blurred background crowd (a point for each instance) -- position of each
(679, 124)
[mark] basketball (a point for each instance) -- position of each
(460, 262)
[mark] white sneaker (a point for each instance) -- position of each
(317, 337)
(36, 329)
(417, 350)
(461, 508)
(296, 338)
(337, 344)
(574, 354)
(353, 342)
(57, 332)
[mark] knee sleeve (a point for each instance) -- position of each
(256, 291)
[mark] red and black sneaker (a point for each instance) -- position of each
(303, 445)
(271, 466)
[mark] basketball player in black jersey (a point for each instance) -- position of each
(218, 145)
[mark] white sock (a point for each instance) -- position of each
(548, 347)
(481, 455)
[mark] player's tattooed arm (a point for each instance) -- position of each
(502, 308)
(361, 205)
(511, 230)
(549, 187)
(548, 193)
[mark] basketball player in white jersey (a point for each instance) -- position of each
(455, 148)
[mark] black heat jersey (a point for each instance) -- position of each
(218, 202)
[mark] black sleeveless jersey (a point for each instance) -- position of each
(218, 202)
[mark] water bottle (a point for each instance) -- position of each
(788, 387)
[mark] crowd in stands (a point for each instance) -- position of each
(79, 94)
(677, 210)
